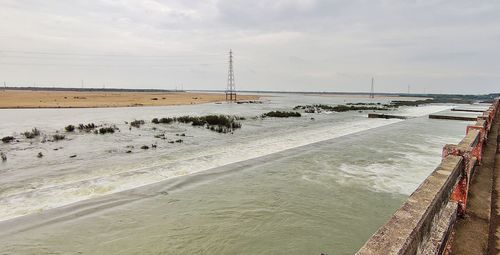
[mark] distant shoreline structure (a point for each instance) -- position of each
(239, 91)
(89, 89)
(346, 93)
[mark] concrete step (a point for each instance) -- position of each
(448, 117)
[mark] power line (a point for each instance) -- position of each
(106, 55)
(109, 65)
(86, 59)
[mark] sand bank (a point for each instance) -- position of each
(77, 99)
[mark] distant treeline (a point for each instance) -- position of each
(89, 89)
(473, 97)
(448, 98)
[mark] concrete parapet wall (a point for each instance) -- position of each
(422, 225)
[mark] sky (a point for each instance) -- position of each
(426, 46)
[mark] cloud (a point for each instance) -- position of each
(325, 45)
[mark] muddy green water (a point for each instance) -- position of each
(325, 197)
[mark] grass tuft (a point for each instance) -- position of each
(8, 139)
(86, 127)
(32, 134)
(137, 123)
(58, 137)
(69, 128)
(107, 130)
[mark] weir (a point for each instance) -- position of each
(430, 220)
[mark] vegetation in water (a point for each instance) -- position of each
(218, 123)
(58, 137)
(107, 130)
(317, 108)
(397, 103)
(280, 114)
(137, 123)
(166, 120)
(448, 98)
(249, 102)
(438, 99)
(8, 139)
(86, 127)
(32, 134)
(162, 121)
(161, 136)
(69, 128)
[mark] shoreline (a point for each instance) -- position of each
(50, 99)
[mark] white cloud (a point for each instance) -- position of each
(325, 45)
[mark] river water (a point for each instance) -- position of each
(319, 183)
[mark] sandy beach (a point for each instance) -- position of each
(76, 99)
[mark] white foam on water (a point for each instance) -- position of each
(402, 171)
(423, 110)
(205, 159)
(202, 159)
(402, 176)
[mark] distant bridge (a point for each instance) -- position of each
(456, 210)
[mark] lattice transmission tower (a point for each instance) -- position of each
(372, 89)
(231, 89)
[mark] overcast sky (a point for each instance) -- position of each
(296, 45)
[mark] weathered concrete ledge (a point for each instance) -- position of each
(466, 110)
(424, 223)
(447, 117)
(386, 116)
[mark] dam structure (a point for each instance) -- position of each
(456, 209)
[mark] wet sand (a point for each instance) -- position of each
(76, 99)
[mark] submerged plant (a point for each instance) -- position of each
(137, 123)
(86, 127)
(32, 134)
(166, 120)
(8, 139)
(58, 137)
(317, 108)
(280, 114)
(218, 123)
(106, 130)
(69, 128)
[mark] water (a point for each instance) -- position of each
(277, 186)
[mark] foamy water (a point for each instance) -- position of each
(56, 192)
(277, 186)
